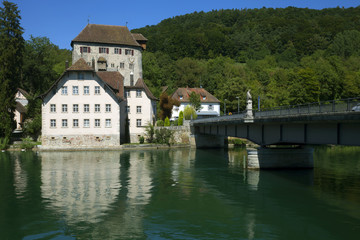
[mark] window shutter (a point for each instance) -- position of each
(88, 49)
(132, 52)
(120, 51)
(80, 49)
(107, 50)
(99, 50)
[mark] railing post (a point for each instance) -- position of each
(319, 107)
(333, 106)
(348, 106)
(308, 108)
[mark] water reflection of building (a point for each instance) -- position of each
(110, 189)
(81, 185)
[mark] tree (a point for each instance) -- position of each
(11, 59)
(189, 113)
(166, 105)
(195, 101)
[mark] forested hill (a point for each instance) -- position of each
(249, 33)
(285, 56)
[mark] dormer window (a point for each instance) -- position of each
(203, 97)
(181, 97)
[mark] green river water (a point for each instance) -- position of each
(176, 194)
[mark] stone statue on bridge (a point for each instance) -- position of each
(249, 113)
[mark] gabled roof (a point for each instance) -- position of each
(97, 33)
(115, 80)
(111, 79)
(185, 94)
(20, 108)
(140, 84)
(23, 92)
(139, 37)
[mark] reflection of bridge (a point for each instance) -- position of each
(310, 124)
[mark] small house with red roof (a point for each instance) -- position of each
(210, 105)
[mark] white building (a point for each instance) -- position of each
(108, 59)
(20, 110)
(210, 105)
(84, 108)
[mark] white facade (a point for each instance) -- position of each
(20, 110)
(141, 110)
(125, 59)
(81, 113)
(207, 109)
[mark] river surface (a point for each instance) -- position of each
(176, 194)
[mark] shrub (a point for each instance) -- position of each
(27, 143)
(175, 122)
(181, 118)
(141, 139)
(163, 136)
(167, 122)
(160, 123)
(189, 113)
(4, 143)
(149, 133)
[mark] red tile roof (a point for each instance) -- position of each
(96, 33)
(205, 96)
(115, 80)
(80, 65)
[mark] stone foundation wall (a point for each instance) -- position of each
(80, 141)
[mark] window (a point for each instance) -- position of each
(108, 107)
(97, 122)
(107, 122)
(122, 65)
(131, 79)
(128, 109)
(203, 97)
(129, 52)
(138, 122)
(117, 50)
(138, 93)
(64, 90)
(131, 66)
(181, 97)
(52, 107)
(81, 76)
(64, 123)
(86, 123)
(53, 123)
(64, 108)
(86, 90)
(86, 108)
(75, 123)
(85, 50)
(138, 109)
(97, 107)
(75, 108)
(103, 50)
(75, 90)
(112, 65)
(97, 89)
(127, 93)
(210, 107)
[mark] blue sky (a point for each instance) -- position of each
(62, 20)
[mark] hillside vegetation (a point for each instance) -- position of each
(285, 56)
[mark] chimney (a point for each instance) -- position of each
(66, 64)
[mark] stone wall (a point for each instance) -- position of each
(181, 134)
(79, 141)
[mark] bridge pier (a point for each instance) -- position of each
(272, 158)
(207, 141)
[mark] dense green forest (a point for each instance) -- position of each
(285, 56)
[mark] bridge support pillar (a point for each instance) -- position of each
(206, 141)
(272, 158)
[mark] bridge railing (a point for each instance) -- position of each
(343, 105)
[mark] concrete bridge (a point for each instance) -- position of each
(333, 122)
